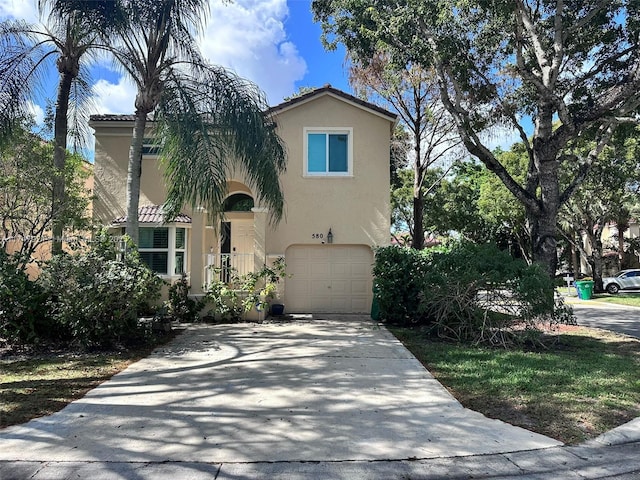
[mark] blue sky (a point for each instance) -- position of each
(274, 43)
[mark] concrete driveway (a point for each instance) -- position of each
(609, 316)
(323, 389)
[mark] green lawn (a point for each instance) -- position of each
(41, 385)
(631, 299)
(586, 384)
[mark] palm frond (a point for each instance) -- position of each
(81, 103)
(92, 16)
(210, 126)
(21, 56)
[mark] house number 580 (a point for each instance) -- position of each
(317, 235)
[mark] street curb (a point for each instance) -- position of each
(583, 462)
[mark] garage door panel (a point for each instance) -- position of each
(340, 252)
(317, 287)
(320, 303)
(298, 289)
(296, 254)
(318, 254)
(319, 270)
(361, 270)
(341, 270)
(361, 304)
(329, 278)
(340, 287)
(300, 269)
(360, 287)
(340, 304)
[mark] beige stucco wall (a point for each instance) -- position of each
(110, 171)
(356, 208)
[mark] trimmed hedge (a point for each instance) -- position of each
(466, 292)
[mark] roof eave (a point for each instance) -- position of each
(328, 90)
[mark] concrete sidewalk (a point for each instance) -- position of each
(337, 397)
(620, 462)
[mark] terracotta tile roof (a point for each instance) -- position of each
(153, 214)
(117, 117)
(282, 106)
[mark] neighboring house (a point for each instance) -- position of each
(617, 255)
(337, 206)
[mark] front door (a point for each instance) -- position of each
(237, 246)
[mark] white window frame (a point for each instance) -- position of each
(348, 131)
(171, 249)
(150, 147)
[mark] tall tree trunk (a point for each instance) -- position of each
(418, 214)
(595, 259)
(543, 238)
(59, 154)
(622, 227)
(544, 220)
(418, 196)
(574, 260)
(134, 172)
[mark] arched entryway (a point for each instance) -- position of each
(235, 243)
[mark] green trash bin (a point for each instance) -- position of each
(585, 289)
(375, 307)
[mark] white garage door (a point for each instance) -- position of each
(328, 279)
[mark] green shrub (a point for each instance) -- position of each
(399, 280)
(466, 292)
(225, 305)
(180, 306)
(21, 302)
(94, 297)
(229, 302)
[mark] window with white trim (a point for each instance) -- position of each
(150, 146)
(164, 249)
(328, 152)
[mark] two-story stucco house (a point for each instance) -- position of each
(337, 207)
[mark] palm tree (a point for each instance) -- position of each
(66, 38)
(208, 119)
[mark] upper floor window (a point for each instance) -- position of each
(150, 146)
(328, 152)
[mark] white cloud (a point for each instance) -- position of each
(38, 113)
(23, 9)
(248, 36)
(114, 97)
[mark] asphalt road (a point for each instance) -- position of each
(617, 318)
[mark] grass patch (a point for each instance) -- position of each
(585, 384)
(630, 299)
(37, 385)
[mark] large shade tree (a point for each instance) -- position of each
(608, 195)
(571, 67)
(412, 92)
(66, 39)
(205, 119)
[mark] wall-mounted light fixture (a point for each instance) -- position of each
(329, 237)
